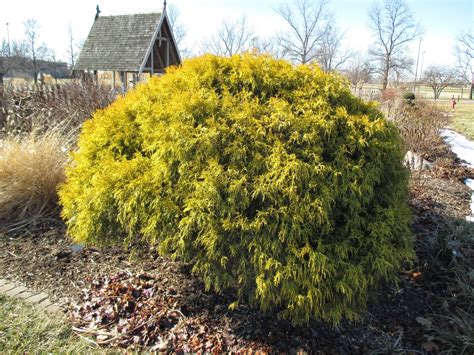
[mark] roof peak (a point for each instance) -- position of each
(117, 14)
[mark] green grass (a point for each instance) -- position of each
(462, 117)
(25, 329)
(425, 92)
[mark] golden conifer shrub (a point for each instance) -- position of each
(267, 177)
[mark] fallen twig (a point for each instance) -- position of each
(9, 252)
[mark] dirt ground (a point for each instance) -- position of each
(47, 260)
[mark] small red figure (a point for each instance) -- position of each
(453, 103)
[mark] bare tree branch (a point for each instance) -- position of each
(464, 52)
(33, 50)
(179, 30)
(31, 42)
(267, 45)
(330, 54)
(232, 37)
(5, 61)
(71, 50)
(359, 70)
(393, 28)
(439, 77)
(309, 21)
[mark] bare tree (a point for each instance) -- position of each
(31, 42)
(359, 70)
(330, 53)
(308, 21)
(71, 50)
(438, 77)
(464, 51)
(33, 49)
(394, 28)
(232, 37)
(267, 45)
(13, 57)
(18, 49)
(5, 61)
(179, 30)
(400, 72)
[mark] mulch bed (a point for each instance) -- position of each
(159, 304)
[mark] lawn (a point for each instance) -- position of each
(25, 329)
(462, 117)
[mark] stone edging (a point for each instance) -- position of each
(38, 299)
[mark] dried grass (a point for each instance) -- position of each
(31, 167)
(419, 122)
(41, 126)
(42, 108)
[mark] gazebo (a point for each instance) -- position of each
(129, 45)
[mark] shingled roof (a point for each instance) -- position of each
(118, 43)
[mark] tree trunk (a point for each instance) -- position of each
(35, 73)
(385, 75)
(471, 90)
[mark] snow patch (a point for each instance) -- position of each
(464, 149)
(460, 145)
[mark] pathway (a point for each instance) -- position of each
(38, 299)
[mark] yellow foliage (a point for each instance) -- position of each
(266, 176)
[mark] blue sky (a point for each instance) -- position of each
(441, 20)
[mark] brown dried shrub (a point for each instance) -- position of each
(450, 169)
(39, 108)
(419, 122)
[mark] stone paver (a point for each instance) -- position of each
(45, 303)
(53, 308)
(25, 295)
(7, 287)
(16, 291)
(39, 300)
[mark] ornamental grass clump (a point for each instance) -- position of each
(269, 178)
(31, 168)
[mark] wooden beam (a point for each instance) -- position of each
(167, 60)
(148, 69)
(152, 62)
(113, 82)
(124, 81)
(161, 64)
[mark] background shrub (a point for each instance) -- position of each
(267, 177)
(31, 168)
(419, 122)
(44, 107)
(409, 96)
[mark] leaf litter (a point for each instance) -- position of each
(150, 302)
